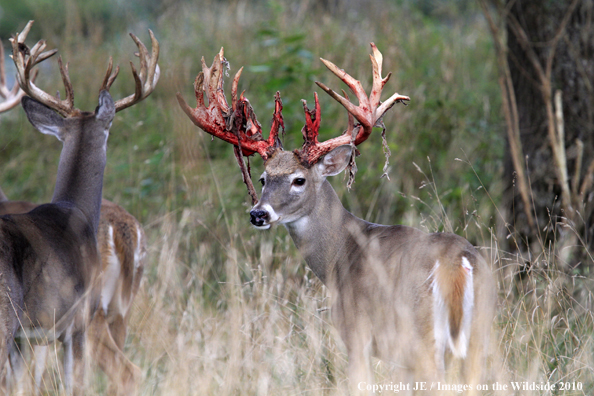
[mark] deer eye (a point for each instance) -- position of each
(262, 182)
(299, 181)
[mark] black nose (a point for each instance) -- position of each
(258, 217)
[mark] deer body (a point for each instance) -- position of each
(402, 295)
(14, 207)
(399, 293)
(49, 257)
(122, 245)
(60, 282)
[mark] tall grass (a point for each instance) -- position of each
(225, 309)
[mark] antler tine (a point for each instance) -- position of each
(2, 71)
(368, 113)
(215, 74)
(278, 123)
(12, 96)
(69, 91)
(234, 89)
(369, 110)
(153, 68)
(313, 118)
(23, 35)
(145, 80)
(236, 124)
(25, 59)
(109, 76)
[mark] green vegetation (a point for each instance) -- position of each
(226, 309)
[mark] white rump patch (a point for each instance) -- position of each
(441, 324)
(460, 346)
(138, 254)
(111, 273)
(466, 265)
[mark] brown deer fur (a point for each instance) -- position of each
(107, 330)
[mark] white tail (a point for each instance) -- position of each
(453, 300)
(59, 240)
(402, 294)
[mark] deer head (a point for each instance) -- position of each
(80, 132)
(291, 178)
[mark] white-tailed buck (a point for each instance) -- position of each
(398, 293)
(52, 278)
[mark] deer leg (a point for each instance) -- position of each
(74, 363)
(15, 371)
(118, 330)
(429, 367)
(123, 374)
(358, 369)
(474, 365)
(3, 364)
(78, 361)
(358, 343)
(40, 357)
(68, 364)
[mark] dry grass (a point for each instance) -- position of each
(224, 309)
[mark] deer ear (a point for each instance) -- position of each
(43, 118)
(335, 161)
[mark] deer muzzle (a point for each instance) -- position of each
(259, 218)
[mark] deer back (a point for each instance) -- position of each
(15, 207)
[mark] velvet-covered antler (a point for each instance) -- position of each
(368, 113)
(235, 124)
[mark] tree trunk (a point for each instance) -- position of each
(571, 72)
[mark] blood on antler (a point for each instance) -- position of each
(235, 124)
(368, 113)
(25, 59)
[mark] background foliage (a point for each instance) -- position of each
(227, 309)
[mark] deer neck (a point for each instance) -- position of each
(80, 174)
(322, 236)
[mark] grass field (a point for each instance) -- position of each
(228, 310)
